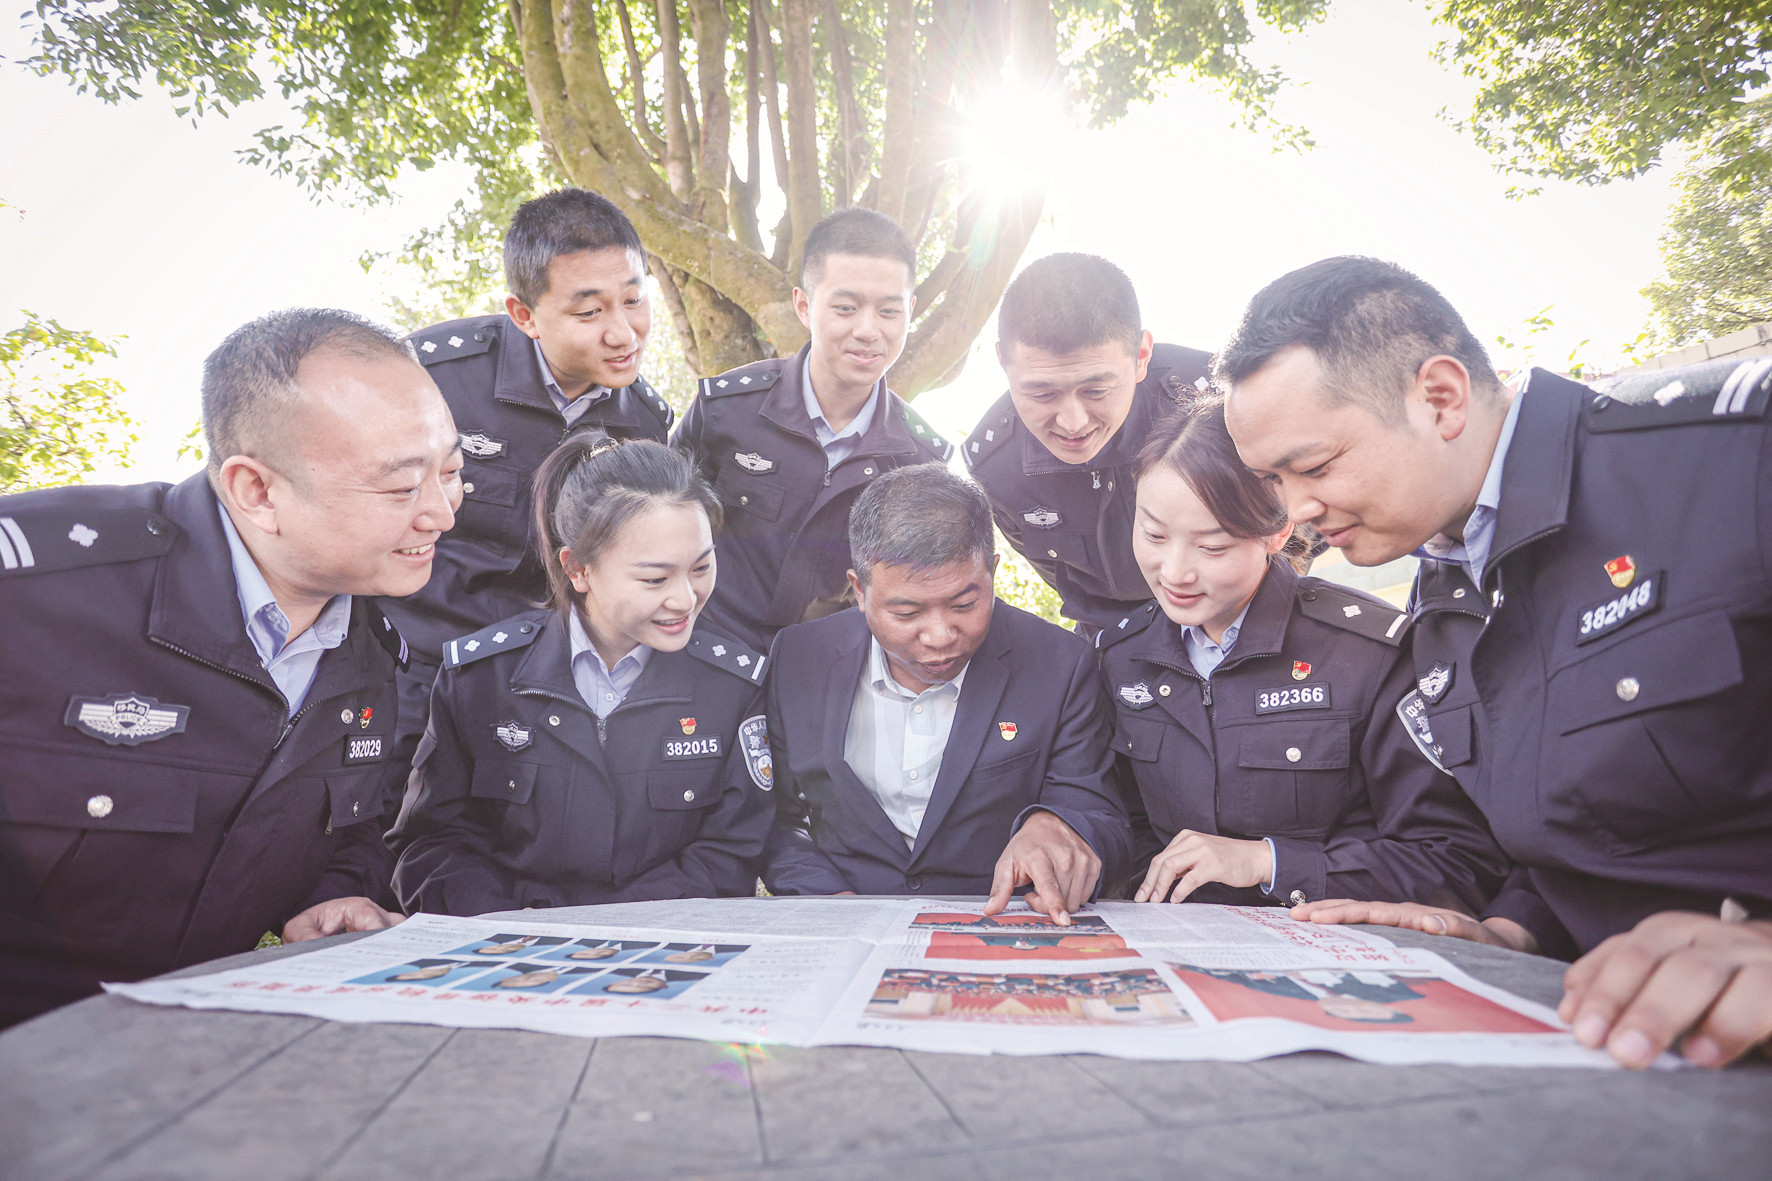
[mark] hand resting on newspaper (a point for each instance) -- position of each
(1677, 976)
(1049, 855)
(338, 916)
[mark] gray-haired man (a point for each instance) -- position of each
(933, 740)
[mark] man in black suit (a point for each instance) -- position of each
(933, 740)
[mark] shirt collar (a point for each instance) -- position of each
(1481, 522)
(266, 625)
(1197, 635)
(881, 678)
(581, 646)
(589, 398)
(857, 425)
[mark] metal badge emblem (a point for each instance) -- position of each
(751, 462)
(125, 719)
(1137, 696)
(1434, 683)
(687, 725)
(1008, 730)
(513, 735)
(1300, 669)
(1622, 571)
(1041, 517)
(753, 736)
(481, 446)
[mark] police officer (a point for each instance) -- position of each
(605, 749)
(1055, 453)
(1255, 709)
(565, 359)
(788, 444)
(196, 698)
(1593, 624)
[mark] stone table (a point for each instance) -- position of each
(110, 1089)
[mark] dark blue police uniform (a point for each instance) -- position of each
(1031, 730)
(158, 805)
(1604, 695)
(784, 551)
(486, 568)
(1295, 739)
(1073, 521)
(521, 796)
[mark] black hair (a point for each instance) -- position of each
(589, 487)
(922, 516)
(1370, 325)
(1065, 302)
(860, 232)
(565, 221)
(249, 380)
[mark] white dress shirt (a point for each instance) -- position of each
(292, 663)
(838, 445)
(602, 687)
(896, 739)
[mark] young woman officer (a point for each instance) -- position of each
(600, 749)
(1261, 750)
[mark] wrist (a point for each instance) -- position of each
(1511, 935)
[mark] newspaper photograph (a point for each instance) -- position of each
(1121, 979)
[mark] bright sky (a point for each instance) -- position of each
(136, 224)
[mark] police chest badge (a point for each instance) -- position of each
(1434, 683)
(1610, 614)
(1137, 696)
(513, 736)
(753, 737)
(481, 446)
(1041, 517)
(1412, 709)
(125, 719)
(751, 462)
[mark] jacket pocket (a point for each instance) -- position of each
(1293, 778)
(354, 798)
(1140, 739)
(490, 497)
(1679, 661)
(759, 495)
(504, 780)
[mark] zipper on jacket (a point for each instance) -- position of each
(827, 477)
(1095, 479)
(602, 731)
(1206, 693)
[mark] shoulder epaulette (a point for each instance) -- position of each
(1715, 391)
(1182, 373)
(931, 439)
(992, 431)
(506, 636)
(1139, 619)
(729, 655)
(758, 375)
(650, 399)
(45, 533)
(450, 342)
(1350, 610)
(388, 635)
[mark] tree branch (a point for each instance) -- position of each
(637, 77)
(679, 166)
(712, 30)
(804, 193)
(852, 140)
(673, 298)
(747, 190)
(901, 89)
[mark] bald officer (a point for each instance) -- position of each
(196, 693)
(1592, 626)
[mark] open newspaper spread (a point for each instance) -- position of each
(1127, 980)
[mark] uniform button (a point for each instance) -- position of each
(1459, 593)
(510, 785)
(1162, 690)
(1496, 599)
(744, 500)
(688, 796)
(1052, 553)
(467, 488)
(1627, 690)
(1293, 754)
(916, 709)
(553, 719)
(346, 716)
(526, 628)
(98, 807)
(156, 526)
(1297, 898)
(914, 882)
(867, 471)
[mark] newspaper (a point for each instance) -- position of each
(1123, 979)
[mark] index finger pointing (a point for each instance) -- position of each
(1002, 885)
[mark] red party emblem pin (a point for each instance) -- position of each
(1622, 571)
(688, 725)
(1300, 670)
(1007, 730)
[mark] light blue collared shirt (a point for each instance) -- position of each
(1205, 655)
(602, 687)
(1479, 528)
(292, 663)
(574, 409)
(838, 445)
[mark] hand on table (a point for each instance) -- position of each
(1048, 854)
(1429, 920)
(1675, 975)
(337, 916)
(1193, 859)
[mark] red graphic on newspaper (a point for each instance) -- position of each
(1338, 998)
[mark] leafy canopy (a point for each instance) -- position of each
(56, 425)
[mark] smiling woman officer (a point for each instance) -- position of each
(1255, 708)
(601, 750)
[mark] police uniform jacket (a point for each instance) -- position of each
(1031, 730)
(1604, 696)
(1073, 521)
(1294, 738)
(784, 550)
(521, 797)
(486, 568)
(158, 805)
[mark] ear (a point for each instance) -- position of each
(1003, 354)
(251, 489)
(522, 317)
(1443, 387)
(858, 590)
(576, 572)
(1146, 343)
(803, 306)
(1278, 541)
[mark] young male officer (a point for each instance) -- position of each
(788, 444)
(937, 741)
(1055, 453)
(195, 699)
(565, 358)
(1591, 636)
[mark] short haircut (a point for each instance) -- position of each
(861, 232)
(565, 221)
(1370, 325)
(589, 487)
(249, 380)
(1066, 302)
(923, 517)
(1194, 443)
